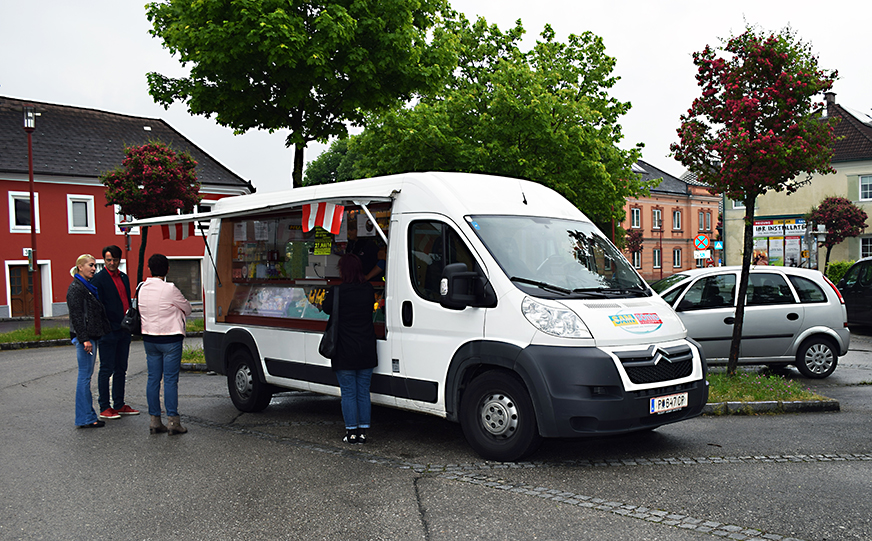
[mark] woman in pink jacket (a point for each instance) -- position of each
(163, 310)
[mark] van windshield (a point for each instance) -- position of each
(551, 257)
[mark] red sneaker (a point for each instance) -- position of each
(109, 413)
(127, 410)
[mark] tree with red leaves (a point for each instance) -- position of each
(755, 129)
(152, 180)
(842, 219)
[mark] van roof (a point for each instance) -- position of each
(457, 194)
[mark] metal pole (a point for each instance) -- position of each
(37, 287)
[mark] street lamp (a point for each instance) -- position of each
(29, 126)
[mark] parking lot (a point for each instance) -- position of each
(285, 474)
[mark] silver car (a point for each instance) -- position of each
(792, 316)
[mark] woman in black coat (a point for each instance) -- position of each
(88, 323)
(355, 354)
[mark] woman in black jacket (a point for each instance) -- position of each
(88, 323)
(355, 355)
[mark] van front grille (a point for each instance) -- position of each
(657, 364)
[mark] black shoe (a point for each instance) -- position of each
(361, 435)
(95, 424)
(350, 436)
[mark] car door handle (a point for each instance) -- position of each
(792, 316)
(729, 320)
(407, 313)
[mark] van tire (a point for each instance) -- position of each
(817, 357)
(497, 417)
(247, 392)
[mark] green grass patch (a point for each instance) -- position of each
(756, 387)
(29, 334)
(195, 325)
(193, 354)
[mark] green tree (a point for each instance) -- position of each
(335, 164)
(544, 115)
(842, 219)
(312, 67)
(152, 180)
(754, 128)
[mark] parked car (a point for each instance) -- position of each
(792, 316)
(856, 288)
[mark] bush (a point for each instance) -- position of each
(837, 269)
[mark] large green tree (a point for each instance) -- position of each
(754, 128)
(311, 66)
(544, 115)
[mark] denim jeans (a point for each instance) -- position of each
(164, 361)
(356, 406)
(85, 413)
(114, 351)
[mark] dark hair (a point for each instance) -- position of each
(158, 265)
(113, 250)
(351, 269)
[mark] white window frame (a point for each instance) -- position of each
(708, 221)
(867, 179)
(119, 218)
(676, 258)
(635, 217)
(738, 204)
(204, 203)
(88, 200)
(676, 220)
(13, 227)
(637, 260)
(701, 221)
(656, 219)
(865, 246)
(658, 260)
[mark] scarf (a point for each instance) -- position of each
(91, 287)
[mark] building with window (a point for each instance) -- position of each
(676, 212)
(780, 229)
(72, 147)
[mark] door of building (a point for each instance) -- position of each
(21, 294)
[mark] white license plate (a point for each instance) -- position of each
(662, 404)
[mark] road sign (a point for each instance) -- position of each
(701, 242)
(719, 245)
(702, 254)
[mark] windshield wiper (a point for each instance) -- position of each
(606, 291)
(540, 285)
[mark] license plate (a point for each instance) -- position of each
(662, 404)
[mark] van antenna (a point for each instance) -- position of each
(523, 197)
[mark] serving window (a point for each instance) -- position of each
(275, 274)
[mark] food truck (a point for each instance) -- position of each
(501, 306)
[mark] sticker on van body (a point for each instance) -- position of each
(641, 323)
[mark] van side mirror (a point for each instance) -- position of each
(460, 287)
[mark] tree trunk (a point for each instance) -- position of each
(139, 266)
(297, 176)
(827, 261)
(748, 249)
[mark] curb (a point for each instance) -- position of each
(6, 346)
(756, 408)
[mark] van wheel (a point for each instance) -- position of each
(816, 358)
(497, 417)
(247, 392)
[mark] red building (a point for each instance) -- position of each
(72, 147)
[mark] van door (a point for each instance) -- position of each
(423, 334)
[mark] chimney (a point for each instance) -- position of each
(830, 98)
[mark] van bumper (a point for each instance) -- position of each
(578, 392)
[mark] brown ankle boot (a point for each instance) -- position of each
(156, 426)
(175, 426)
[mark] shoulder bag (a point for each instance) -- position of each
(327, 347)
(132, 322)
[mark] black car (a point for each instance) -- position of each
(856, 288)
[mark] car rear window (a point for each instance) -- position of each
(807, 290)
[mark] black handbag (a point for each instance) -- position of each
(327, 347)
(132, 322)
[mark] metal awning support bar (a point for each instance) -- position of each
(362, 204)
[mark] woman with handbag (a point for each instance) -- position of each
(355, 354)
(162, 310)
(88, 323)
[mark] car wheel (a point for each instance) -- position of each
(497, 417)
(816, 358)
(247, 392)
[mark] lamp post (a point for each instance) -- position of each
(29, 126)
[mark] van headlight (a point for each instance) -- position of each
(554, 321)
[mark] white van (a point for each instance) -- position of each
(501, 307)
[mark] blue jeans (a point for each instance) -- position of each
(85, 413)
(114, 351)
(356, 406)
(164, 361)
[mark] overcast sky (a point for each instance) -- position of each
(95, 54)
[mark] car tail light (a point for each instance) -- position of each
(838, 293)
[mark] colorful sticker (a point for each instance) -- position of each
(637, 323)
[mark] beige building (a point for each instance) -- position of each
(779, 225)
